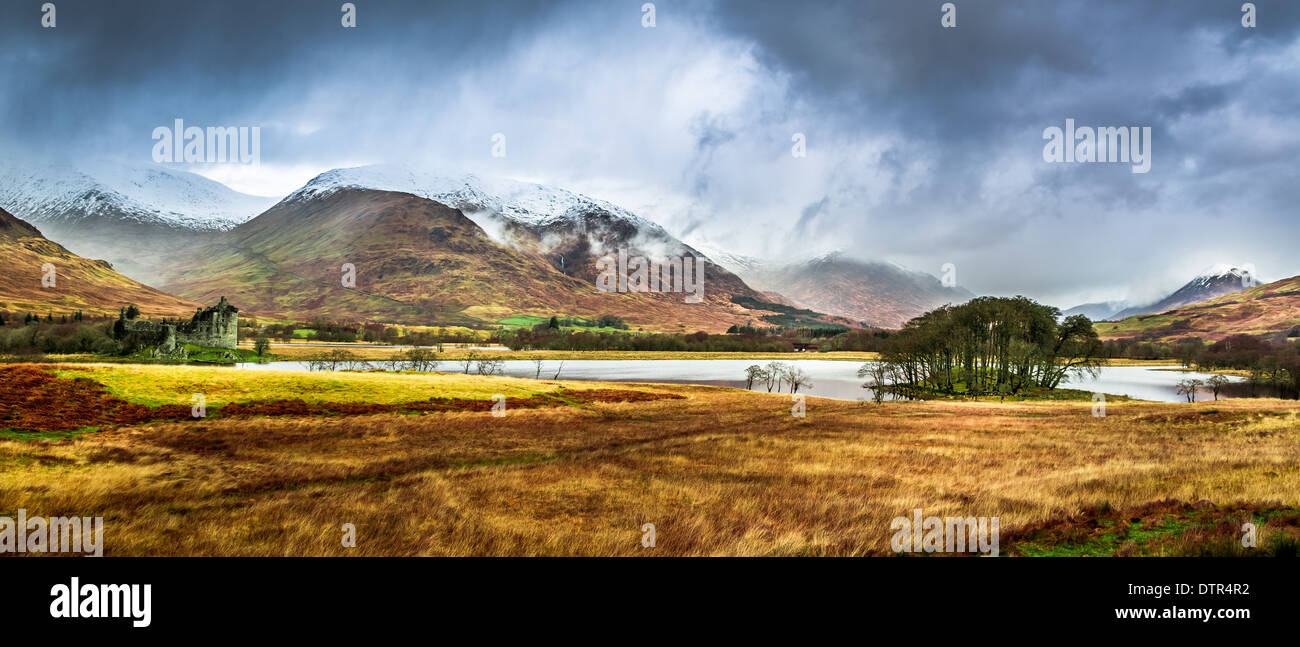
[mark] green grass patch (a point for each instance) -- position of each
(30, 436)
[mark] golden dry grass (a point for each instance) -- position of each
(159, 384)
(724, 472)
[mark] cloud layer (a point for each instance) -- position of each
(924, 144)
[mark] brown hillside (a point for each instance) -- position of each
(93, 287)
(417, 261)
(1270, 310)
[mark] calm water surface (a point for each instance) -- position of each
(830, 378)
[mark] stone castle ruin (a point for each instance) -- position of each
(213, 327)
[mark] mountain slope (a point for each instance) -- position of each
(420, 261)
(1100, 311)
(567, 229)
(1270, 310)
(873, 293)
(129, 215)
(79, 283)
(1215, 281)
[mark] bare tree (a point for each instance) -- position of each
(537, 363)
(1188, 388)
(558, 369)
(754, 373)
(490, 366)
(419, 359)
(469, 360)
(773, 374)
(879, 378)
(335, 360)
(797, 378)
(1216, 383)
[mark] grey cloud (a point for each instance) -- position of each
(924, 142)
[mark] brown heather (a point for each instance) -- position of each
(722, 472)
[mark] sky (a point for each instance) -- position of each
(924, 144)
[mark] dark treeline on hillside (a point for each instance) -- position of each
(550, 339)
(771, 339)
(8, 318)
(1273, 368)
(989, 345)
(559, 334)
(355, 332)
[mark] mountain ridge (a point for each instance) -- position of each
(1271, 310)
(418, 261)
(874, 293)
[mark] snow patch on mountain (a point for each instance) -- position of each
(1224, 270)
(738, 264)
(148, 194)
(532, 205)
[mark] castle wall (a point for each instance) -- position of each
(214, 327)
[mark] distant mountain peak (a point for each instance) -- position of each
(1221, 269)
(1214, 281)
(108, 189)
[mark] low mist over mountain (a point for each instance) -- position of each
(873, 293)
(127, 215)
(1100, 311)
(93, 287)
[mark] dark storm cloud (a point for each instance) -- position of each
(133, 64)
(965, 99)
(924, 144)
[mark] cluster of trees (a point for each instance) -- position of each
(1144, 349)
(775, 374)
(989, 345)
(873, 340)
(415, 359)
(1191, 387)
(61, 338)
(603, 321)
(1274, 367)
(354, 332)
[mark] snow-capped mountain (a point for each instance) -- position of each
(1215, 281)
(534, 206)
(738, 264)
(133, 216)
(421, 260)
(144, 194)
(568, 229)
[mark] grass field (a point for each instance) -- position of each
(718, 471)
(156, 385)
